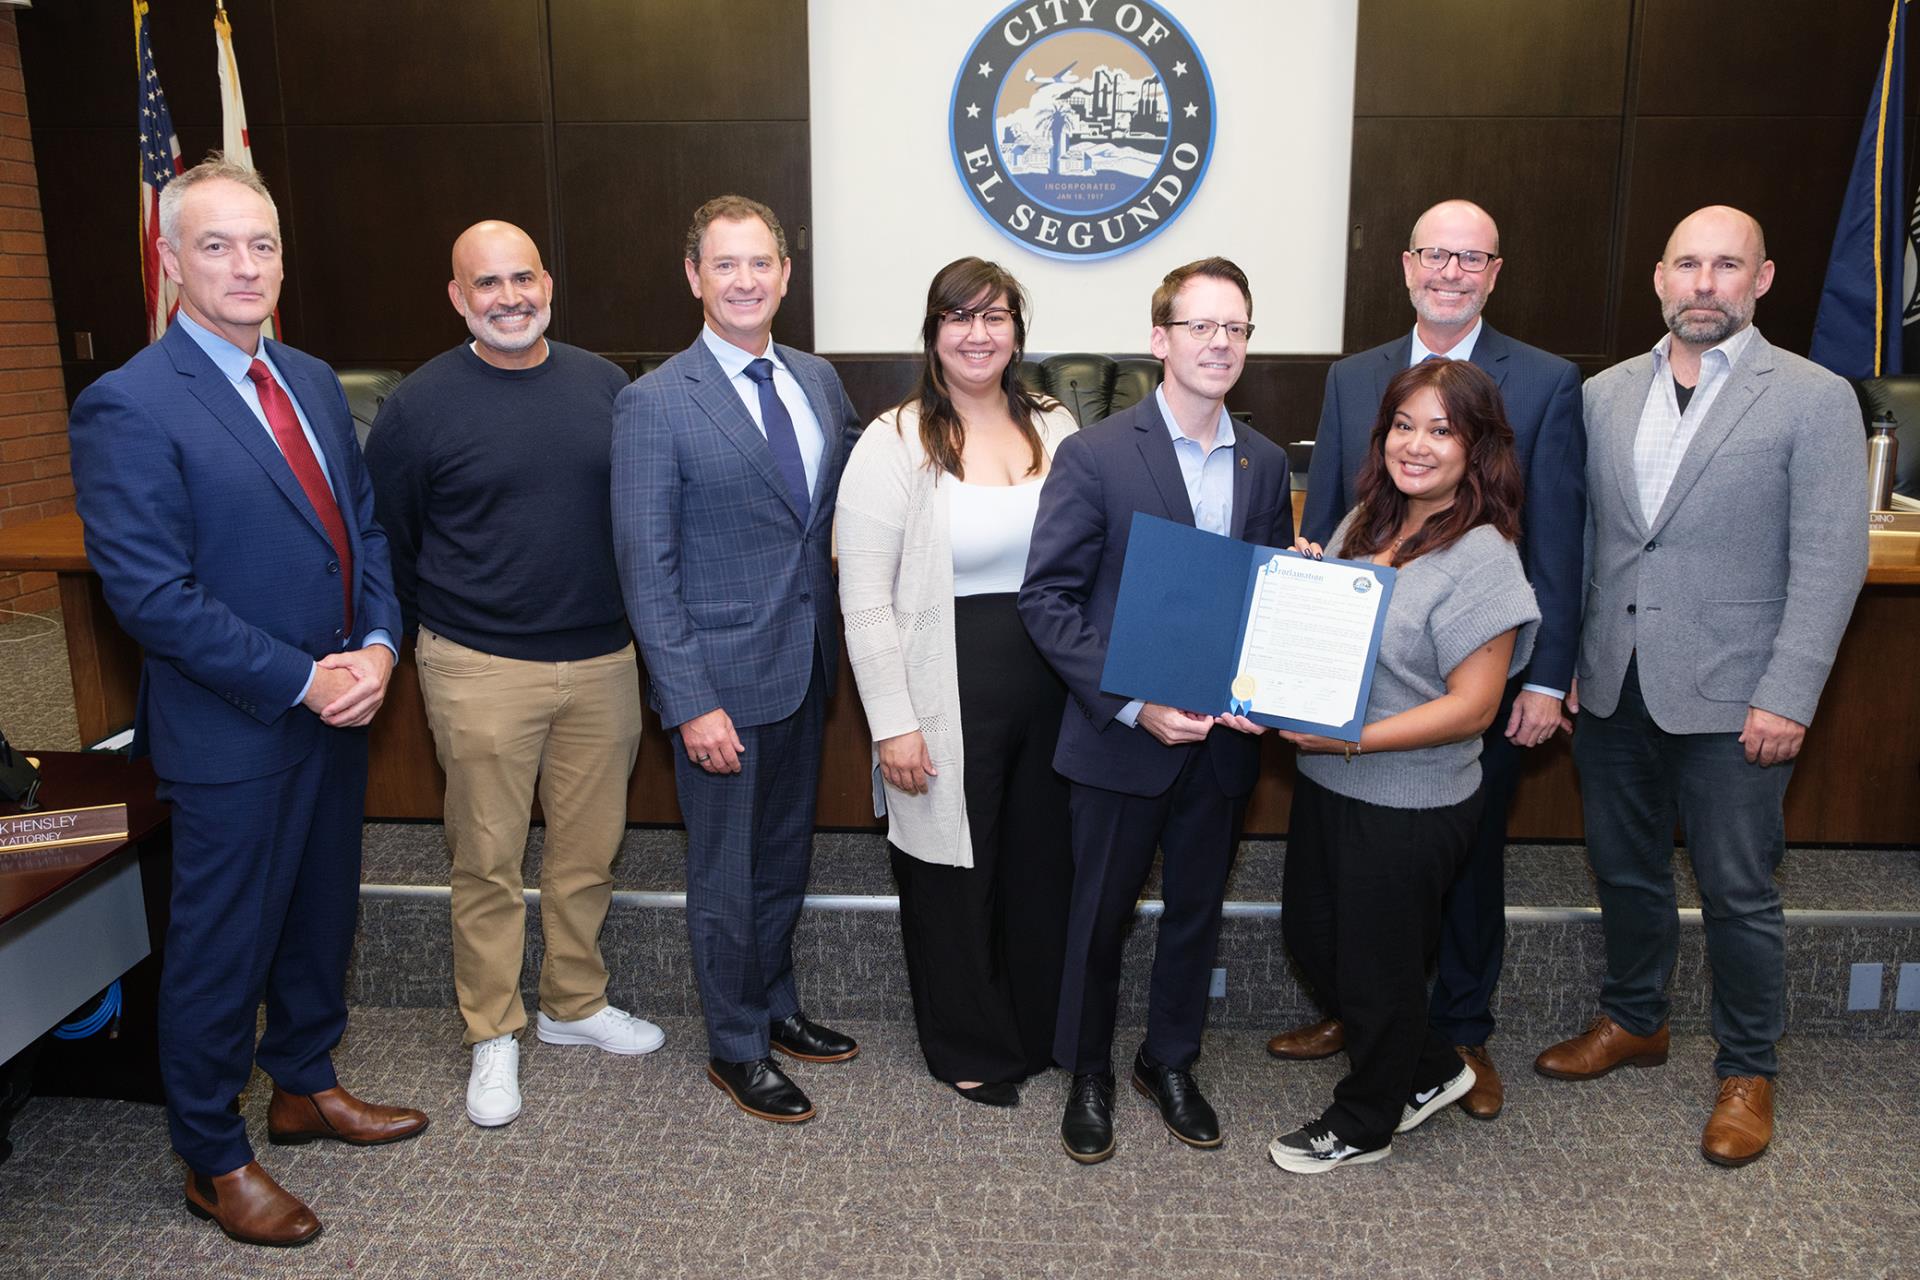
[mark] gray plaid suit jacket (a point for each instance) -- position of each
(1738, 592)
(728, 587)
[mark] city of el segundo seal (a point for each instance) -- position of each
(1082, 128)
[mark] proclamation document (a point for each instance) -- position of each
(1309, 642)
(1212, 624)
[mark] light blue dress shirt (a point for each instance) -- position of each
(1208, 472)
(234, 363)
(806, 425)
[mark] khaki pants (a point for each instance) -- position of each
(498, 723)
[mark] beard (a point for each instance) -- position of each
(482, 328)
(1728, 318)
(1433, 312)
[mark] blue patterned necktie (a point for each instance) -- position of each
(780, 435)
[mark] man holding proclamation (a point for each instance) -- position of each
(1451, 264)
(230, 519)
(725, 464)
(1727, 541)
(1145, 775)
(490, 464)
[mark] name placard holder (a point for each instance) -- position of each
(56, 828)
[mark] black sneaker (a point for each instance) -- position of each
(1425, 1102)
(1313, 1148)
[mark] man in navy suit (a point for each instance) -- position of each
(230, 519)
(1143, 774)
(726, 460)
(1451, 263)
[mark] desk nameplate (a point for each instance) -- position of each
(56, 828)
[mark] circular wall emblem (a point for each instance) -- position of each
(1082, 128)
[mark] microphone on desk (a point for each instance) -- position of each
(19, 776)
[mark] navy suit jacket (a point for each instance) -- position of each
(729, 587)
(1542, 397)
(1101, 476)
(212, 558)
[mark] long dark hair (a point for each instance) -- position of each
(942, 435)
(1490, 491)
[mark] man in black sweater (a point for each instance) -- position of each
(490, 467)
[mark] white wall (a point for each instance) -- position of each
(890, 211)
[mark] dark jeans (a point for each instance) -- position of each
(1360, 911)
(984, 943)
(1636, 781)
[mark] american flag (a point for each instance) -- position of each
(159, 162)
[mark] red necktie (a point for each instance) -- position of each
(306, 469)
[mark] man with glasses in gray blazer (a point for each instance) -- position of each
(1726, 542)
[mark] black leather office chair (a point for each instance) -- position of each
(366, 390)
(1899, 395)
(1092, 386)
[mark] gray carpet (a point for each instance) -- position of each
(637, 1167)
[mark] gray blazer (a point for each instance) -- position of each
(729, 588)
(1739, 591)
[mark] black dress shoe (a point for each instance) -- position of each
(1087, 1128)
(760, 1089)
(994, 1093)
(799, 1036)
(1187, 1113)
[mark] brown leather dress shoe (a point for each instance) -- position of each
(249, 1206)
(1304, 1044)
(1488, 1095)
(1599, 1049)
(1742, 1122)
(294, 1118)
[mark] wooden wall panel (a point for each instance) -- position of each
(1549, 184)
(1491, 58)
(371, 245)
(80, 67)
(663, 60)
(1760, 58)
(629, 191)
(1789, 173)
(413, 62)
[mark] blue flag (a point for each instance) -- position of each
(1857, 331)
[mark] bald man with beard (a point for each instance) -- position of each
(490, 467)
(1726, 542)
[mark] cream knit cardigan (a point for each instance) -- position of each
(896, 595)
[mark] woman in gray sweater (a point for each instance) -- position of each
(1380, 828)
(935, 512)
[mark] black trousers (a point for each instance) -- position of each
(984, 943)
(1473, 921)
(1361, 899)
(1197, 828)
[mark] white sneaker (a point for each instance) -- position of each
(1425, 1102)
(614, 1030)
(493, 1086)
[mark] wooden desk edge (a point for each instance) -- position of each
(56, 545)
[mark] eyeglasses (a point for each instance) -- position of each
(1202, 330)
(994, 318)
(1470, 259)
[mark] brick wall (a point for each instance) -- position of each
(34, 477)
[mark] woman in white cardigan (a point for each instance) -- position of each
(935, 512)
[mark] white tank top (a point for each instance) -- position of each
(991, 527)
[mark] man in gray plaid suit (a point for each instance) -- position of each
(1726, 541)
(725, 464)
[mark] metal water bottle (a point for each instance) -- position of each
(1883, 461)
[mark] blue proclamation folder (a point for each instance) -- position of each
(1182, 615)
